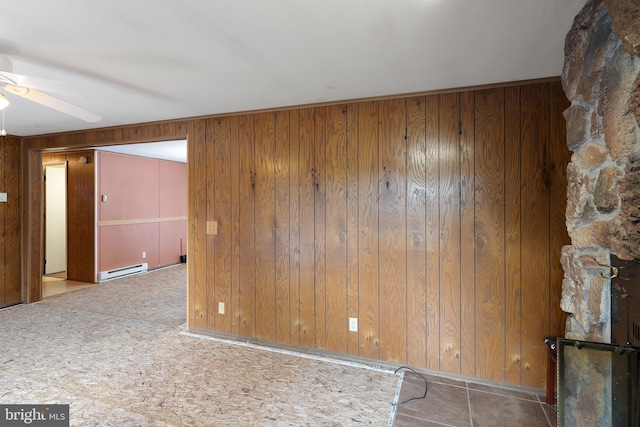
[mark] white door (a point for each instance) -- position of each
(55, 218)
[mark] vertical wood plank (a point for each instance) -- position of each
(467, 243)
(392, 259)
(352, 223)
(265, 226)
(432, 235)
(369, 309)
(81, 246)
(4, 299)
(449, 234)
(33, 197)
(210, 259)
(307, 228)
(282, 173)
(247, 255)
(513, 240)
(320, 228)
(489, 234)
(11, 274)
(295, 191)
(416, 232)
(535, 217)
(197, 255)
(235, 186)
(560, 156)
(222, 213)
(336, 226)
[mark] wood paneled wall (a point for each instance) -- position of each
(435, 220)
(81, 218)
(81, 209)
(10, 221)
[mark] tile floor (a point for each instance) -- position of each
(456, 403)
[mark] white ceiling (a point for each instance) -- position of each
(147, 60)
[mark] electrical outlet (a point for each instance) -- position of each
(353, 324)
(220, 307)
(144, 254)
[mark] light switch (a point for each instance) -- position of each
(353, 324)
(3, 197)
(212, 227)
(104, 197)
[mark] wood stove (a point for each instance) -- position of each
(598, 382)
(625, 302)
(608, 371)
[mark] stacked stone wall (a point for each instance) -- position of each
(601, 78)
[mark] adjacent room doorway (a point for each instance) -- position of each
(55, 218)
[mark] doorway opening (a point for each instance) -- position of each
(92, 191)
(55, 224)
(55, 219)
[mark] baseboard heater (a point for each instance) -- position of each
(124, 271)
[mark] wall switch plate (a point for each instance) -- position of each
(104, 197)
(353, 324)
(3, 197)
(144, 254)
(212, 227)
(220, 307)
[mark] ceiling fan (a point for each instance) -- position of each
(37, 90)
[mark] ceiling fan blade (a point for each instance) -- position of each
(52, 102)
(50, 86)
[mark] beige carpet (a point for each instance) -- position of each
(117, 354)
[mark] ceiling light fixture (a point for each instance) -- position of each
(4, 102)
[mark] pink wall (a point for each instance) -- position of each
(147, 200)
